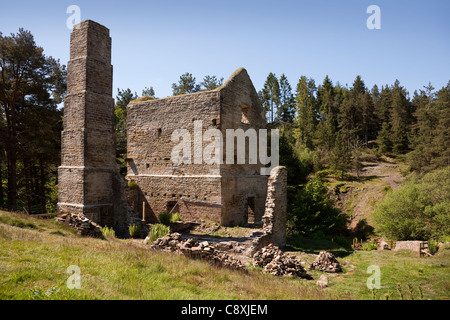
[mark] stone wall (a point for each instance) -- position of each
(162, 183)
(89, 183)
(409, 245)
(244, 188)
(87, 174)
(226, 193)
(275, 215)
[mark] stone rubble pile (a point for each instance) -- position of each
(277, 263)
(327, 262)
(197, 250)
(83, 225)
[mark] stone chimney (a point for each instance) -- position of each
(89, 166)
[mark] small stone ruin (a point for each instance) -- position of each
(194, 249)
(326, 262)
(83, 225)
(278, 263)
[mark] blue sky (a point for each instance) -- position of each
(154, 42)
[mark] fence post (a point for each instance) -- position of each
(143, 211)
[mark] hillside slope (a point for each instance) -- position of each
(358, 196)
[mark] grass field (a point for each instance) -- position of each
(404, 276)
(35, 255)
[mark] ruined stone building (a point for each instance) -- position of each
(231, 194)
(89, 180)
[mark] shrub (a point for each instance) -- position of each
(433, 246)
(108, 232)
(369, 246)
(164, 218)
(135, 230)
(132, 184)
(175, 217)
(158, 231)
(419, 210)
(313, 212)
(167, 218)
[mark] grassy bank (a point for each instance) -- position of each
(404, 276)
(35, 255)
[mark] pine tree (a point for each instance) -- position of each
(400, 119)
(423, 128)
(350, 117)
(211, 83)
(307, 112)
(271, 96)
(441, 141)
(328, 114)
(285, 112)
(384, 139)
(123, 98)
(186, 84)
(28, 78)
(340, 157)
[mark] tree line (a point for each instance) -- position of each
(338, 122)
(326, 125)
(31, 87)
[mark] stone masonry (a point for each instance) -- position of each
(275, 216)
(89, 171)
(230, 194)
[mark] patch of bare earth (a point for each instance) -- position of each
(360, 196)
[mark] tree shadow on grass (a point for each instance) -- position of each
(338, 246)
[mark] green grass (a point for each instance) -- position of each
(415, 277)
(403, 274)
(34, 262)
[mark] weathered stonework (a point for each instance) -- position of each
(89, 180)
(409, 245)
(225, 193)
(275, 216)
(88, 172)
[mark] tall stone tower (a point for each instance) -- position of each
(88, 169)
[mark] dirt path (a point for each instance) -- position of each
(387, 171)
(363, 194)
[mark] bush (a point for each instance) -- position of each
(164, 218)
(132, 184)
(369, 246)
(419, 210)
(313, 212)
(175, 217)
(433, 246)
(158, 231)
(167, 218)
(135, 230)
(108, 232)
